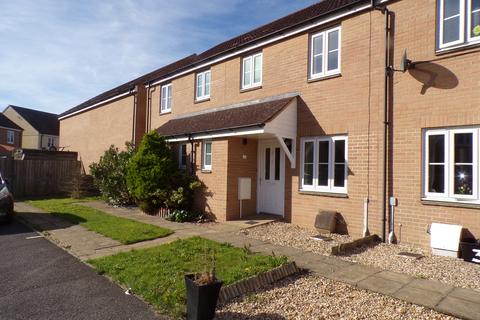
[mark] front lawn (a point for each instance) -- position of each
(157, 273)
(123, 230)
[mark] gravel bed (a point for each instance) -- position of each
(452, 271)
(312, 297)
(290, 235)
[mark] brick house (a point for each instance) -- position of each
(312, 109)
(40, 129)
(10, 136)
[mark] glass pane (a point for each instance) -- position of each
(208, 159)
(318, 45)
(463, 148)
(208, 147)
(257, 76)
(323, 152)
(323, 174)
(207, 83)
(339, 175)
(475, 31)
(475, 5)
(277, 163)
(451, 30)
(267, 164)
(199, 85)
(333, 60)
(247, 65)
(333, 40)
(436, 146)
(170, 91)
(308, 152)
(308, 174)
(436, 178)
(339, 151)
(451, 8)
(318, 64)
(463, 179)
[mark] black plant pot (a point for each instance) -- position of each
(470, 250)
(201, 300)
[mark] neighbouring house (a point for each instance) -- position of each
(10, 136)
(312, 110)
(41, 130)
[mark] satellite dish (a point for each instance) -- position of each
(405, 64)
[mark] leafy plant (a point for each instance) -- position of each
(151, 171)
(109, 174)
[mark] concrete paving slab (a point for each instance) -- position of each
(431, 285)
(353, 274)
(466, 294)
(380, 285)
(419, 296)
(394, 276)
(459, 308)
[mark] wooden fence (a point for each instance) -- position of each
(45, 177)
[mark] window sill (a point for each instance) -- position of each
(201, 100)
(206, 171)
(250, 89)
(451, 203)
(165, 112)
(323, 193)
(331, 76)
(458, 47)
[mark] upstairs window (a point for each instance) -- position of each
(325, 53)
(324, 164)
(252, 71)
(451, 164)
(10, 137)
(166, 98)
(203, 85)
(458, 22)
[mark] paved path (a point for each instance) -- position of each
(38, 280)
(459, 302)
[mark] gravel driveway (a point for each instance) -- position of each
(309, 297)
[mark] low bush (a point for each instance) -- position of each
(110, 175)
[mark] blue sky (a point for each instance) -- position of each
(56, 54)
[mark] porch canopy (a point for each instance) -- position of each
(274, 117)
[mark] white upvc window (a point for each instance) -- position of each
(182, 156)
(207, 155)
(202, 90)
(51, 142)
(458, 22)
(166, 98)
(10, 137)
(325, 53)
(324, 164)
(252, 71)
(451, 164)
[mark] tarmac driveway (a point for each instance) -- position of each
(38, 280)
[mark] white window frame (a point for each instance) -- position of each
(252, 84)
(51, 141)
(330, 188)
(207, 167)
(202, 94)
(325, 72)
(166, 98)
(180, 156)
(469, 24)
(449, 195)
(10, 137)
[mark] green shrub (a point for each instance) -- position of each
(185, 216)
(151, 171)
(110, 175)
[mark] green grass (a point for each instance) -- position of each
(123, 230)
(157, 274)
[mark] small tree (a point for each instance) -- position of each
(110, 175)
(151, 173)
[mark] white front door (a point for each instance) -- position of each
(271, 178)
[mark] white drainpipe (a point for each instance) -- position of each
(366, 232)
